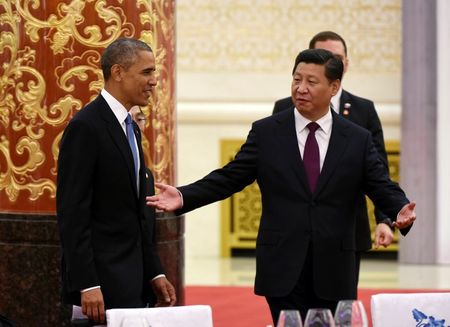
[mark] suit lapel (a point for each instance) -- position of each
(119, 138)
(289, 143)
(336, 147)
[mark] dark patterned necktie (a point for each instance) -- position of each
(311, 156)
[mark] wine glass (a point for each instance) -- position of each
(350, 313)
(289, 318)
(319, 318)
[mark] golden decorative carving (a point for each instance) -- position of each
(50, 70)
(161, 109)
(240, 214)
(264, 36)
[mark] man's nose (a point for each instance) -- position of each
(301, 88)
(152, 81)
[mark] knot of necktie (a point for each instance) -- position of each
(313, 126)
(128, 120)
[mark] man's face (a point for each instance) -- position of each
(335, 47)
(311, 90)
(137, 82)
(139, 117)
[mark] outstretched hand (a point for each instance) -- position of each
(406, 216)
(168, 198)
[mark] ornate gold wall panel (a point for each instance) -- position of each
(49, 55)
(265, 35)
(240, 213)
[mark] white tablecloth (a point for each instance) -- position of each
(183, 316)
(408, 309)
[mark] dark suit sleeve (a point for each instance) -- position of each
(282, 104)
(76, 163)
(223, 182)
(385, 194)
(152, 261)
(375, 128)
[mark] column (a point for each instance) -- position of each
(50, 52)
(425, 156)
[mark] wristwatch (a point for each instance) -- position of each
(388, 222)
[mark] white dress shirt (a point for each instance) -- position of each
(336, 100)
(121, 114)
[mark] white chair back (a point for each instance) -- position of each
(410, 309)
(185, 316)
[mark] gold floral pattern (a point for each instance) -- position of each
(50, 53)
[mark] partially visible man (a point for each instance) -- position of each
(362, 112)
(310, 164)
(108, 256)
(138, 117)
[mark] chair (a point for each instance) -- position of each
(183, 316)
(410, 309)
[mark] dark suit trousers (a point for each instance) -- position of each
(302, 297)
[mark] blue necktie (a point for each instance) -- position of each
(311, 157)
(131, 141)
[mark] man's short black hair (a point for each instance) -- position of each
(325, 36)
(334, 67)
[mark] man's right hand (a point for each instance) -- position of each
(92, 305)
(168, 198)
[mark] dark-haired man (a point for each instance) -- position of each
(108, 257)
(362, 112)
(310, 165)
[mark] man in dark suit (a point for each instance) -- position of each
(309, 182)
(362, 112)
(108, 256)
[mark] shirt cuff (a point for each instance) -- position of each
(158, 276)
(181, 197)
(89, 289)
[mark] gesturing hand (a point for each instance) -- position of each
(168, 199)
(406, 216)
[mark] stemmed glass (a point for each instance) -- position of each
(289, 318)
(319, 318)
(350, 313)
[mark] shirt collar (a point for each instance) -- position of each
(117, 108)
(336, 100)
(324, 122)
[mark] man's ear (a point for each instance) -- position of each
(116, 72)
(346, 64)
(335, 85)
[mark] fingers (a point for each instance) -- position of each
(172, 295)
(164, 291)
(161, 186)
(412, 205)
(383, 235)
(376, 244)
(92, 305)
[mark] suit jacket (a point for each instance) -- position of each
(362, 112)
(105, 227)
(293, 218)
